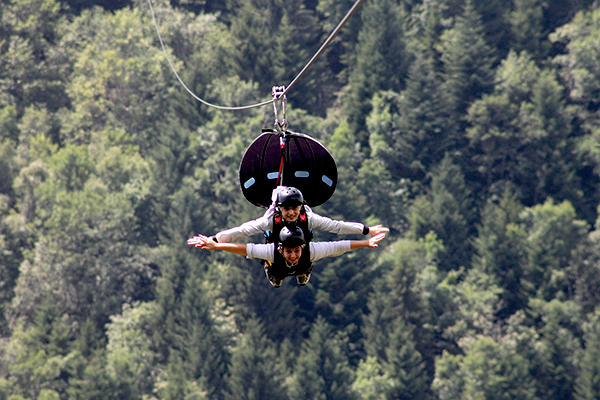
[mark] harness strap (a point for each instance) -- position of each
(280, 169)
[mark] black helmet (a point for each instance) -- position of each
(290, 197)
(291, 237)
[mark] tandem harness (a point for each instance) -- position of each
(278, 224)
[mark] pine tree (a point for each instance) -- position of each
(553, 232)
(298, 39)
(496, 19)
(518, 135)
(33, 68)
(380, 63)
(402, 326)
(467, 62)
(446, 210)
(527, 21)
(588, 381)
(253, 28)
(582, 74)
(405, 364)
(560, 331)
(322, 370)
(499, 251)
(409, 131)
(254, 372)
(488, 369)
(189, 335)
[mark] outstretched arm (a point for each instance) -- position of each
(207, 243)
(247, 229)
(319, 250)
(370, 243)
(316, 221)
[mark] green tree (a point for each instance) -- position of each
(120, 81)
(467, 62)
(298, 38)
(521, 133)
(500, 253)
(445, 210)
(577, 64)
(41, 356)
(558, 13)
(15, 235)
(582, 74)
(553, 233)
(496, 20)
(321, 370)
(475, 301)
(588, 380)
(406, 365)
(409, 132)
(33, 69)
(84, 259)
(495, 122)
(371, 383)
(527, 20)
(380, 63)
(131, 360)
(487, 370)
(254, 30)
(401, 373)
(254, 372)
(585, 272)
(348, 201)
(560, 341)
(406, 315)
(189, 341)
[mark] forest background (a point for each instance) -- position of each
(471, 129)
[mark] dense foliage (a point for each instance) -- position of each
(471, 129)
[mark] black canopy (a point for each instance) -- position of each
(307, 165)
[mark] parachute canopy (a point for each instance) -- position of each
(306, 165)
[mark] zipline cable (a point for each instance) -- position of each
(300, 74)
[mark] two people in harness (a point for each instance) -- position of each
(289, 210)
(292, 256)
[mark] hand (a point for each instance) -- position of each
(375, 239)
(377, 229)
(204, 242)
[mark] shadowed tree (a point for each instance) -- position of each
(588, 381)
(409, 132)
(380, 62)
(254, 373)
(321, 370)
(499, 251)
(446, 210)
(467, 63)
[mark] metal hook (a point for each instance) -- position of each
(278, 93)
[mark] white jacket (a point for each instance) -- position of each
(318, 250)
(265, 223)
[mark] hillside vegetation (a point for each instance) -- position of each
(470, 128)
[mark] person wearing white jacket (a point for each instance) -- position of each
(291, 256)
(289, 209)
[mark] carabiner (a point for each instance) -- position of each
(278, 93)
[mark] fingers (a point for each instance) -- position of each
(197, 240)
(377, 229)
(376, 239)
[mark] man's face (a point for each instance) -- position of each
(290, 214)
(292, 254)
